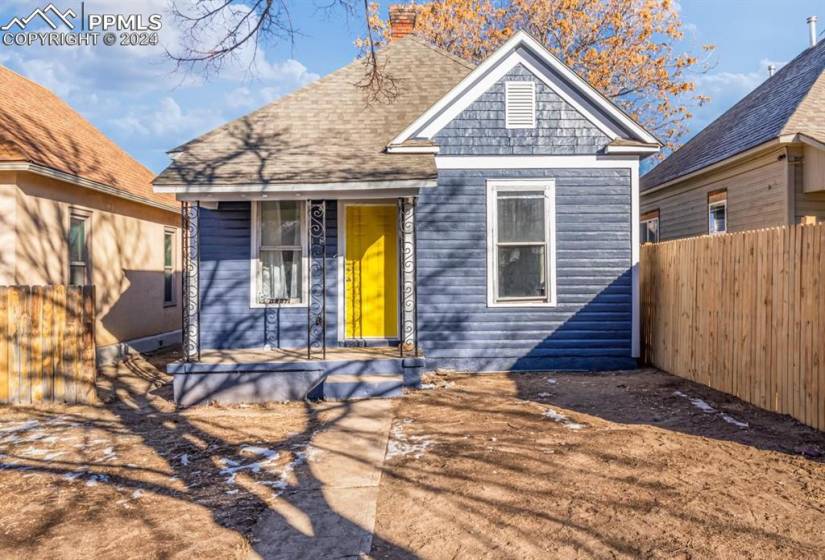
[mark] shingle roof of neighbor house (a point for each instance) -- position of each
(326, 132)
(38, 127)
(792, 101)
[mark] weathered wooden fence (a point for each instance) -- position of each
(743, 313)
(47, 344)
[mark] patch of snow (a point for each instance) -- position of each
(401, 443)
(232, 491)
(543, 395)
(708, 409)
(20, 427)
(95, 478)
(184, 459)
(560, 418)
(427, 386)
(137, 494)
(552, 381)
(731, 420)
(232, 468)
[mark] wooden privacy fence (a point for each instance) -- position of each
(743, 313)
(47, 344)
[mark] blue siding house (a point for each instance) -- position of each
(481, 219)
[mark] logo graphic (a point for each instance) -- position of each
(91, 29)
(43, 14)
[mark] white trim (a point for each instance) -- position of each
(295, 188)
(81, 182)
(342, 263)
(636, 309)
(378, 194)
(631, 149)
(712, 205)
(549, 187)
(412, 149)
(535, 162)
(522, 38)
(253, 260)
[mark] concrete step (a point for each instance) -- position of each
(345, 386)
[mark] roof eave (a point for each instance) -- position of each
(44, 171)
(773, 143)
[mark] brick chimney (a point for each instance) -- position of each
(402, 20)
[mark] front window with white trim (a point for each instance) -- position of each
(521, 243)
(279, 253)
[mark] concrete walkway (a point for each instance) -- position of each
(331, 513)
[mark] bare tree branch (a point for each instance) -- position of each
(214, 31)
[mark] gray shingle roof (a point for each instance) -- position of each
(325, 132)
(787, 103)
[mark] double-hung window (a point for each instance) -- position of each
(279, 253)
(718, 212)
(79, 247)
(521, 243)
(169, 266)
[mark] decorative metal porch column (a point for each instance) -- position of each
(317, 305)
(409, 296)
(190, 307)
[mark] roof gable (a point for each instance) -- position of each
(521, 49)
(559, 128)
(785, 103)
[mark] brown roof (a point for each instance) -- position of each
(326, 132)
(791, 101)
(36, 126)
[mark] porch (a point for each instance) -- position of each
(260, 374)
(329, 333)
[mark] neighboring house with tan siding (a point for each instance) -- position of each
(760, 164)
(75, 208)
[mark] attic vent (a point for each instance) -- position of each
(520, 101)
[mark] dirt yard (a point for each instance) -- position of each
(636, 464)
(633, 465)
(134, 478)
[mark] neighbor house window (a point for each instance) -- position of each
(520, 104)
(649, 227)
(169, 266)
(79, 248)
(279, 248)
(717, 212)
(521, 254)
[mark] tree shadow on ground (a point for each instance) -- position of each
(200, 452)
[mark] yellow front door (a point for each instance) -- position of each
(371, 275)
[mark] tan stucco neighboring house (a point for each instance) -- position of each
(761, 164)
(75, 208)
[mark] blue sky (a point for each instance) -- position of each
(132, 94)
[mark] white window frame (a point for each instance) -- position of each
(507, 86)
(711, 206)
(644, 223)
(255, 226)
(86, 217)
(549, 188)
(171, 268)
